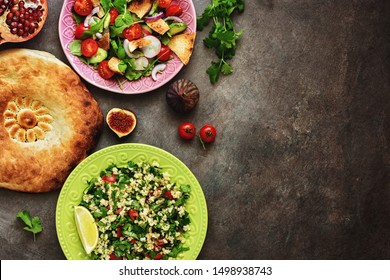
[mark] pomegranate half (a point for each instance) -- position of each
(21, 20)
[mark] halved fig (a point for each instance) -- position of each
(121, 121)
(21, 20)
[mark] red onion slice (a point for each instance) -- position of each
(156, 69)
(89, 17)
(174, 18)
(156, 17)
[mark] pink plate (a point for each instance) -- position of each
(66, 32)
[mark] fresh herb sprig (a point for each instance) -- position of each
(33, 224)
(222, 37)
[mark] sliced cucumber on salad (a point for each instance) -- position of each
(130, 39)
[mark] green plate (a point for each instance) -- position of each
(75, 184)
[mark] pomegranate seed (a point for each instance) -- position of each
(21, 19)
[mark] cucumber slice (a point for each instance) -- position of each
(99, 56)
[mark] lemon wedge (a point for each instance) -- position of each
(86, 228)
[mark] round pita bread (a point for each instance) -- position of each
(49, 121)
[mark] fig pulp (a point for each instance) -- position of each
(121, 121)
(21, 20)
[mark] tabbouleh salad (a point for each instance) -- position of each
(139, 212)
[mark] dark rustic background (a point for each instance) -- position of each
(300, 168)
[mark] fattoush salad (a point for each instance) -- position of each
(130, 38)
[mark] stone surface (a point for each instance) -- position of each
(300, 167)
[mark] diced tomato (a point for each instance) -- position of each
(164, 3)
(168, 195)
(79, 30)
(118, 210)
(164, 54)
(158, 256)
(119, 232)
(104, 71)
(109, 179)
(174, 10)
(113, 15)
(89, 47)
(133, 214)
(83, 7)
(133, 32)
(160, 242)
(113, 257)
(133, 241)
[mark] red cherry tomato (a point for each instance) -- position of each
(89, 47)
(79, 30)
(133, 214)
(83, 7)
(133, 32)
(174, 10)
(207, 133)
(113, 15)
(187, 130)
(109, 179)
(158, 256)
(104, 71)
(164, 54)
(164, 3)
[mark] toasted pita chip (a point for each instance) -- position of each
(139, 43)
(182, 45)
(113, 64)
(104, 42)
(140, 7)
(160, 26)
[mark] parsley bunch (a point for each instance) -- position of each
(222, 37)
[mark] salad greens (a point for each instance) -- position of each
(140, 213)
(222, 36)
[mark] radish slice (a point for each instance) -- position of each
(153, 48)
(156, 69)
(126, 47)
(156, 17)
(141, 63)
(174, 18)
